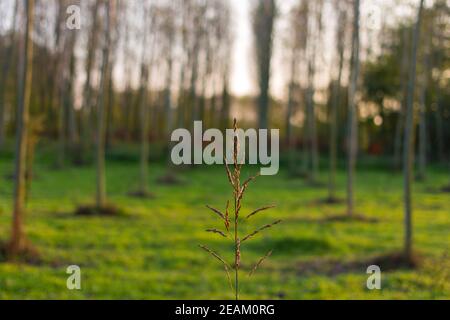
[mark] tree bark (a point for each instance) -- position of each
(399, 128)
(408, 153)
(70, 84)
(57, 85)
(100, 148)
(310, 103)
(264, 20)
(18, 239)
(225, 103)
(5, 73)
(168, 96)
(423, 122)
(290, 107)
(335, 106)
(86, 111)
(144, 116)
(352, 109)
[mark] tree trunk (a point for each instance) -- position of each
(57, 85)
(334, 109)
(352, 109)
(18, 238)
(225, 104)
(290, 108)
(71, 116)
(5, 74)
(264, 20)
(408, 153)
(110, 110)
(86, 111)
(399, 127)
(168, 99)
(100, 148)
(310, 103)
(193, 87)
(423, 123)
(143, 186)
(144, 115)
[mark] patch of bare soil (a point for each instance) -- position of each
(329, 201)
(141, 194)
(26, 255)
(93, 210)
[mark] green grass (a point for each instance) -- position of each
(152, 252)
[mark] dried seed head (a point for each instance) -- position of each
(259, 210)
(260, 262)
(217, 232)
(234, 178)
(220, 214)
(267, 226)
(227, 216)
(236, 147)
(238, 253)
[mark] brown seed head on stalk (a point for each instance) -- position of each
(232, 230)
(238, 253)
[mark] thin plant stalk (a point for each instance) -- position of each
(239, 188)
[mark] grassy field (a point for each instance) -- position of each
(152, 252)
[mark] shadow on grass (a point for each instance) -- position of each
(332, 267)
(347, 218)
(434, 190)
(141, 195)
(328, 201)
(289, 246)
(341, 218)
(95, 211)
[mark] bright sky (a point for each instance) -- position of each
(241, 80)
(243, 72)
(243, 77)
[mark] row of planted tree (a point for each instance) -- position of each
(137, 70)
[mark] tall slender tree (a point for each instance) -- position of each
(57, 83)
(352, 109)
(399, 127)
(69, 91)
(6, 67)
(297, 46)
(168, 30)
(100, 141)
(144, 112)
(315, 33)
(87, 104)
(408, 153)
(422, 152)
(340, 36)
(264, 16)
(19, 244)
(291, 104)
